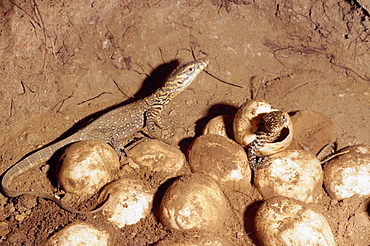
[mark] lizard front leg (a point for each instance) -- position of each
(261, 139)
(153, 118)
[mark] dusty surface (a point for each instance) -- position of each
(62, 61)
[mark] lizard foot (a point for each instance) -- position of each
(263, 162)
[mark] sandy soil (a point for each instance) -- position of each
(62, 61)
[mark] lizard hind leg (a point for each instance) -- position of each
(118, 146)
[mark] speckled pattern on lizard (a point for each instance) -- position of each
(113, 127)
(269, 130)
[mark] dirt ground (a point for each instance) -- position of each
(62, 61)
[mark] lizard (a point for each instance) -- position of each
(112, 127)
(269, 129)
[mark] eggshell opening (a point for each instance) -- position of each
(246, 124)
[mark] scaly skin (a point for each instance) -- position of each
(270, 127)
(112, 127)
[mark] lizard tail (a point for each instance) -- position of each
(34, 160)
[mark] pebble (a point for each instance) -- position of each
(32, 138)
(20, 217)
(4, 228)
(26, 202)
(10, 208)
(45, 168)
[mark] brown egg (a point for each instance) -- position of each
(194, 202)
(157, 156)
(221, 125)
(87, 166)
(285, 222)
(349, 174)
(128, 202)
(291, 173)
(222, 159)
(79, 233)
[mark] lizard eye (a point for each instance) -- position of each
(191, 69)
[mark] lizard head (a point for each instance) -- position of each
(181, 79)
(274, 121)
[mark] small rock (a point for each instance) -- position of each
(189, 102)
(3, 199)
(3, 216)
(361, 220)
(26, 202)
(45, 168)
(20, 217)
(4, 228)
(16, 237)
(9, 208)
(32, 138)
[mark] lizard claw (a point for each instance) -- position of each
(263, 162)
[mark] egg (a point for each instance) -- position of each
(288, 222)
(222, 159)
(127, 201)
(157, 156)
(349, 174)
(246, 123)
(291, 173)
(79, 234)
(87, 166)
(221, 125)
(193, 202)
(312, 131)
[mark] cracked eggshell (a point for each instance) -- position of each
(246, 123)
(222, 159)
(349, 174)
(288, 222)
(157, 156)
(194, 202)
(291, 173)
(87, 166)
(221, 125)
(79, 234)
(128, 202)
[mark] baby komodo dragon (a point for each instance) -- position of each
(270, 127)
(113, 127)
